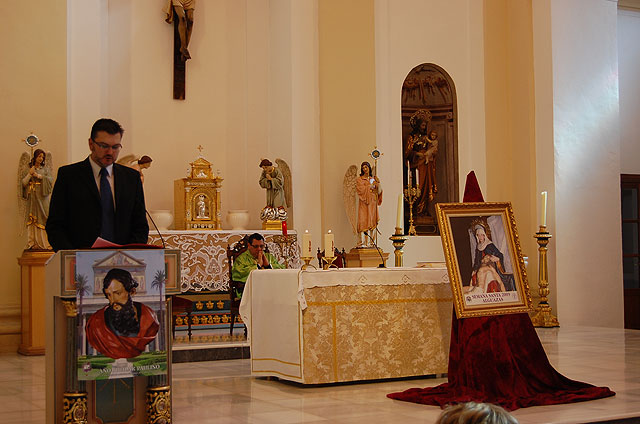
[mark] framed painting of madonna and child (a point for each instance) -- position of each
(484, 259)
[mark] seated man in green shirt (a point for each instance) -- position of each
(253, 258)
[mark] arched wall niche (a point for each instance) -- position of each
(429, 95)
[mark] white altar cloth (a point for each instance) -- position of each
(358, 323)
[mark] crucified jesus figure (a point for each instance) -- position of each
(184, 11)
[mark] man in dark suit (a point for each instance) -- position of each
(97, 197)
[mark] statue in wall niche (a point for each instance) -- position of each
(35, 183)
(421, 150)
(184, 10)
(429, 145)
(276, 180)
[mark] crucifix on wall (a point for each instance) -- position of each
(180, 13)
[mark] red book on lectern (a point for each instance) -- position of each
(101, 243)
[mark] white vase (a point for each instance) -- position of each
(238, 219)
(162, 217)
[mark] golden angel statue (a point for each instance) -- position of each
(276, 180)
(35, 182)
(362, 194)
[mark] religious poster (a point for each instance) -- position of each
(483, 256)
(121, 314)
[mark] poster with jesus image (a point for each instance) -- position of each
(484, 259)
(121, 315)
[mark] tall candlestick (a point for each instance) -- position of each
(543, 218)
(306, 244)
(399, 214)
(328, 244)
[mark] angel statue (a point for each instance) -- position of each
(362, 194)
(276, 180)
(35, 182)
(139, 164)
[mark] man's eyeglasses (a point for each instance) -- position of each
(106, 146)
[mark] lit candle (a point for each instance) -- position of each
(544, 209)
(284, 228)
(328, 244)
(399, 216)
(306, 244)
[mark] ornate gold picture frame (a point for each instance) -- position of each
(484, 259)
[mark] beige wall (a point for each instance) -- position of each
(33, 71)
(586, 142)
(450, 35)
(628, 71)
(251, 93)
(347, 102)
(510, 117)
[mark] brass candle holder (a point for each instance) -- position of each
(398, 239)
(307, 264)
(411, 194)
(543, 317)
(327, 262)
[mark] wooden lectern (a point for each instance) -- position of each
(69, 398)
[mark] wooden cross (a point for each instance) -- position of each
(181, 13)
(179, 65)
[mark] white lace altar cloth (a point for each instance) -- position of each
(204, 254)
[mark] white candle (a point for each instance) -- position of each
(399, 215)
(544, 209)
(306, 244)
(328, 244)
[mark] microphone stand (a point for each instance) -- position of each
(382, 265)
(164, 245)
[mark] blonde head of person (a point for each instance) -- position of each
(475, 413)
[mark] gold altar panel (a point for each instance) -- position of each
(390, 331)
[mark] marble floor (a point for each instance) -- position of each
(224, 392)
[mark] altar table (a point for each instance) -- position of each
(348, 324)
(203, 255)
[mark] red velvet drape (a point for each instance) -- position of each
(500, 360)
